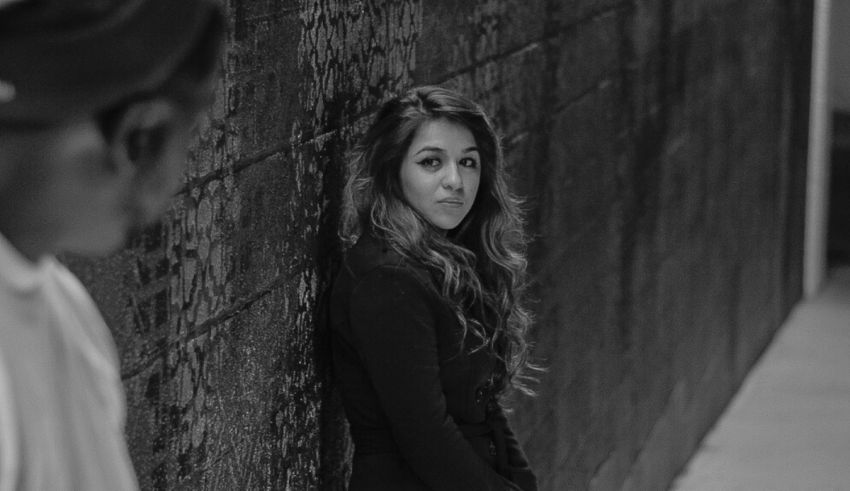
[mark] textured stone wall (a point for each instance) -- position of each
(669, 227)
(660, 144)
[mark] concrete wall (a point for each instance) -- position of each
(660, 144)
(669, 229)
(839, 60)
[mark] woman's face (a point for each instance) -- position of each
(440, 173)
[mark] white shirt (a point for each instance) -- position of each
(61, 400)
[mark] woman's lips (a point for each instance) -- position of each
(451, 202)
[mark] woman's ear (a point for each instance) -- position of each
(139, 133)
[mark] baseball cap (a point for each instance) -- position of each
(54, 67)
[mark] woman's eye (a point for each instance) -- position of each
(429, 162)
(469, 162)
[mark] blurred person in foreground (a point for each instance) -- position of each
(98, 100)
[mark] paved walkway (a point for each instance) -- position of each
(788, 428)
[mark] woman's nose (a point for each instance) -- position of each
(452, 178)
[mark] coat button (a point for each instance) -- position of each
(479, 395)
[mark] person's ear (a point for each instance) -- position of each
(139, 134)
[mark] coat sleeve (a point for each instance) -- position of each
(394, 330)
(518, 467)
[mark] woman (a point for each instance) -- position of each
(428, 329)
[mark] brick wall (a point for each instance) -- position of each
(660, 144)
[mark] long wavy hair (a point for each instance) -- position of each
(482, 262)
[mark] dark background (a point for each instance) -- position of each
(660, 145)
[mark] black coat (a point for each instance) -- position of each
(421, 413)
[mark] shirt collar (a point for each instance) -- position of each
(18, 272)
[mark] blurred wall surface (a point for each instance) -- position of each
(660, 145)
